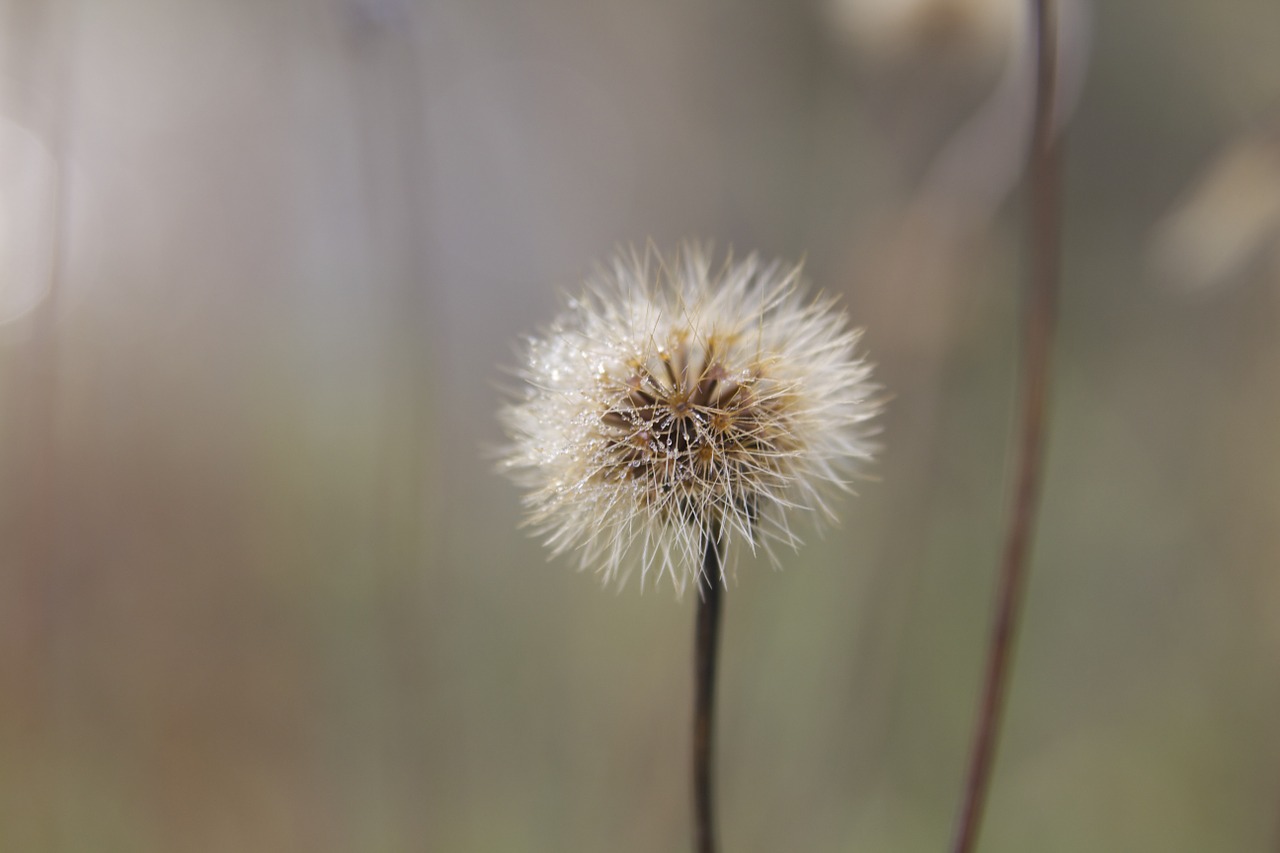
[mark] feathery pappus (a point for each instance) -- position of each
(674, 400)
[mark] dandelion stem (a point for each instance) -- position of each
(710, 587)
(1044, 239)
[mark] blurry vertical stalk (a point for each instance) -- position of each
(35, 39)
(704, 692)
(383, 52)
(1039, 317)
(386, 72)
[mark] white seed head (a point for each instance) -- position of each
(671, 399)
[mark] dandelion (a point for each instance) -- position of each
(672, 411)
(674, 406)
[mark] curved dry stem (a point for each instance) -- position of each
(1039, 321)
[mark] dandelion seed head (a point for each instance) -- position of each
(672, 398)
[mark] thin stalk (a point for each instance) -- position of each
(1039, 321)
(706, 641)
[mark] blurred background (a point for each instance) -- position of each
(262, 263)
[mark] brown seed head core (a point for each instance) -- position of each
(687, 423)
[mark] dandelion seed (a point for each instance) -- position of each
(671, 399)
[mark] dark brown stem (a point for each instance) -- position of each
(710, 589)
(1044, 236)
